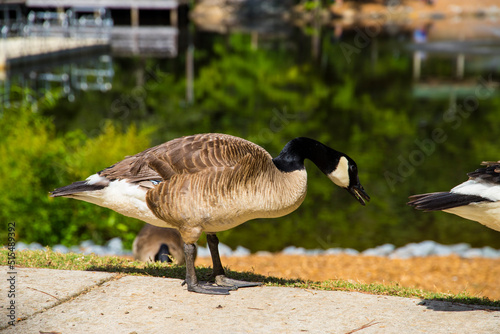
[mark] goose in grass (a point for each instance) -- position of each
(154, 243)
(476, 199)
(211, 183)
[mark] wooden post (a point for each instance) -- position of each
(255, 40)
(417, 64)
(173, 16)
(460, 65)
(134, 16)
(190, 74)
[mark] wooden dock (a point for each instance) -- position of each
(133, 5)
(151, 41)
(55, 28)
(24, 50)
(141, 4)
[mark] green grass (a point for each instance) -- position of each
(72, 261)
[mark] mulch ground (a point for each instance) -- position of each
(451, 274)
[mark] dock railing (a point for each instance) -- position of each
(76, 22)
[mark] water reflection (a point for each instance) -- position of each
(465, 63)
(35, 56)
(94, 73)
(382, 104)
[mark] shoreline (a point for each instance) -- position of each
(449, 19)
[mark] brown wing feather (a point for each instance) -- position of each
(133, 168)
(488, 174)
(231, 168)
(198, 153)
(191, 154)
(194, 196)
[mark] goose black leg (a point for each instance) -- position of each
(191, 280)
(218, 270)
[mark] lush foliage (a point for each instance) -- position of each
(35, 161)
(403, 143)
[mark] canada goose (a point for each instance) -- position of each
(476, 199)
(211, 183)
(154, 243)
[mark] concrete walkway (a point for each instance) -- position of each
(61, 301)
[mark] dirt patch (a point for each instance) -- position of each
(479, 277)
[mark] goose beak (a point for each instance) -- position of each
(359, 193)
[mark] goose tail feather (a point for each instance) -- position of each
(442, 201)
(76, 187)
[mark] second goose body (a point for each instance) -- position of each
(154, 243)
(476, 199)
(210, 183)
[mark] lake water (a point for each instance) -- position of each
(415, 113)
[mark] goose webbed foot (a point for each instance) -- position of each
(192, 282)
(218, 271)
(208, 288)
(223, 281)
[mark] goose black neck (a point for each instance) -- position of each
(297, 150)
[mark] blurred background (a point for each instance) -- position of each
(409, 89)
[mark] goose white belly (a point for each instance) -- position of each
(486, 213)
(125, 198)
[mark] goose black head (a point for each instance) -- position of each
(339, 168)
(345, 175)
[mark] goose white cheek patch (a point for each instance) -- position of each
(340, 176)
